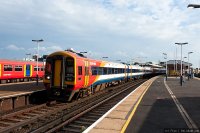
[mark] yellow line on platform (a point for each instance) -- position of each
(135, 108)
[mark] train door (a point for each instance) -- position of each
(86, 74)
(80, 75)
(57, 65)
(28, 70)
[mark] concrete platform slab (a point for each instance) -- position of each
(117, 115)
(111, 124)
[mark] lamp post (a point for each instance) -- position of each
(165, 57)
(189, 65)
(37, 41)
(181, 76)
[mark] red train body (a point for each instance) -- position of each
(70, 75)
(13, 71)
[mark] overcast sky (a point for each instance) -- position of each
(138, 30)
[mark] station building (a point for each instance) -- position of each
(174, 67)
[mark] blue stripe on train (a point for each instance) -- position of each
(114, 79)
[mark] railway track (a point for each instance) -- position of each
(52, 118)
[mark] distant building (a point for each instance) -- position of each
(174, 67)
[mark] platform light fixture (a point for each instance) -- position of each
(181, 76)
(37, 41)
(189, 65)
(105, 57)
(193, 6)
(165, 57)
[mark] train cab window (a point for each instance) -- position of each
(48, 70)
(18, 68)
(79, 70)
(7, 67)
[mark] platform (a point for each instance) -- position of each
(13, 89)
(16, 95)
(156, 106)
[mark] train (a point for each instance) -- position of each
(19, 71)
(70, 75)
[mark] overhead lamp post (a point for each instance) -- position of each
(181, 76)
(37, 41)
(165, 57)
(105, 57)
(83, 52)
(189, 65)
(193, 6)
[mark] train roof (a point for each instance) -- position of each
(14, 61)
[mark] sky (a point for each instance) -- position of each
(126, 30)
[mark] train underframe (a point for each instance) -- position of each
(67, 94)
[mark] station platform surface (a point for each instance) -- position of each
(157, 106)
(13, 89)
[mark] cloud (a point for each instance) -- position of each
(120, 28)
(14, 47)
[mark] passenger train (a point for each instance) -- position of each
(70, 75)
(14, 71)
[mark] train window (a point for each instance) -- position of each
(79, 70)
(18, 68)
(48, 67)
(105, 71)
(100, 71)
(94, 70)
(42, 68)
(109, 70)
(35, 68)
(7, 67)
(113, 70)
(69, 69)
(116, 71)
(69, 62)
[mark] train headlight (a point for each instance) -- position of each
(48, 77)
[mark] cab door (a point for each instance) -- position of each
(57, 72)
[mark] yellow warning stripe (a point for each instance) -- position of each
(86, 72)
(134, 109)
(24, 70)
(31, 71)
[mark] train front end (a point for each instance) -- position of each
(59, 78)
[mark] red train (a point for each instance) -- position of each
(70, 75)
(14, 71)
